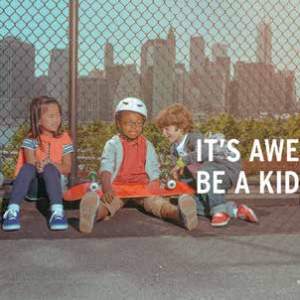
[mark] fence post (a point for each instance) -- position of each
(73, 61)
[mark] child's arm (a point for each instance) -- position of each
(30, 156)
(66, 163)
(191, 157)
(108, 193)
(152, 163)
(106, 171)
(65, 167)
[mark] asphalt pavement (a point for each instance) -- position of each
(136, 256)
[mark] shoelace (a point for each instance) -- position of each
(10, 214)
(57, 215)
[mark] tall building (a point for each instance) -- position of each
(40, 86)
(17, 59)
(219, 50)
(207, 87)
(180, 83)
(290, 91)
(92, 100)
(128, 85)
(197, 54)
(158, 58)
(58, 77)
(108, 56)
(261, 90)
(264, 43)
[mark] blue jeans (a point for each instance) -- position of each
(27, 177)
(211, 203)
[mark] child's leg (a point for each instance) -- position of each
(219, 209)
(185, 213)
(52, 179)
(22, 183)
(108, 210)
(202, 205)
(92, 207)
(11, 217)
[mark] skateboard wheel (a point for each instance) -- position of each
(94, 187)
(171, 184)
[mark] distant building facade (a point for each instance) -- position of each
(17, 59)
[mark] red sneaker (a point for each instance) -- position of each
(246, 213)
(220, 219)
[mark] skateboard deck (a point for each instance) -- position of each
(77, 191)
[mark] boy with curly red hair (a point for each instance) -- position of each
(176, 124)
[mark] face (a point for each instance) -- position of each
(50, 119)
(173, 134)
(130, 124)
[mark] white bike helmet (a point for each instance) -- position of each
(132, 104)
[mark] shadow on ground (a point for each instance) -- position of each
(130, 222)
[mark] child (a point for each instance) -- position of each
(129, 158)
(176, 124)
(46, 154)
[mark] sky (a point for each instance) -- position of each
(128, 24)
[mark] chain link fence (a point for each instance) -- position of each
(33, 62)
(235, 57)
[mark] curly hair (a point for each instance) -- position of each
(177, 115)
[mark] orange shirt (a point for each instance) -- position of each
(132, 169)
(52, 147)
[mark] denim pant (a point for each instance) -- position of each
(51, 177)
(212, 203)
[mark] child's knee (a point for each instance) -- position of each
(50, 168)
(154, 205)
(112, 207)
(28, 170)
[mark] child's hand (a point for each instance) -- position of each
(176, 172)
(41, 164)
(108, 196)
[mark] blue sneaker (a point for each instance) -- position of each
(11, 219)
(58, 221)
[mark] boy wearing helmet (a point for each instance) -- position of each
(129, 158)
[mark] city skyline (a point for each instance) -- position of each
(230, 22)
(209, 86)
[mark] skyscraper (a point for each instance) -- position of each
(158, 59)
(57, 85)
(17, 60)
(219, 50)
(264, 43)
(108, 55)
(197, 54)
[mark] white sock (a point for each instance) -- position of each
(57, 208)
(14, 206)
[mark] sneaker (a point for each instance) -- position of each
(11, 220)
(88, 209)
(246, 213)
(220, 219)
(58, 221)
(188, 212)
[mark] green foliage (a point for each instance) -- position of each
(92, 137)
(8, 166)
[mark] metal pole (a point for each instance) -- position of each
(73, 60)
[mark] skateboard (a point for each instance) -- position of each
(155, 188)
